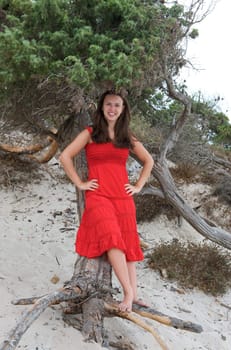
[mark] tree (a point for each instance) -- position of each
(48, 47)
(60, 56)
(212, 123)
(207, 126)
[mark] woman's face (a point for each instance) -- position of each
(112, 108)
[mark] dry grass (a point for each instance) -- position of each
(210, 206)
(148, 207)
(15, 171)
(204, 266)
(151, 137)
(18, 171)
(185, 171)
(221, 152)
(223, 190)
(218, 212)
(207, 178)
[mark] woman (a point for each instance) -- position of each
(108, 224)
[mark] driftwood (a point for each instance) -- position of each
(22, 150)
(87, 299)
(48, 152)
(41, 152)
(208, 230)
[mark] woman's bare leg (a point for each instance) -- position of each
(131, 265)
(119, 264)
(133, 280)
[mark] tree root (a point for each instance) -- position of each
(131, 316)
(31, 315)
(90, 329)
(87, 299)
(167, 320)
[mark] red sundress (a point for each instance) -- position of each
(109, 218)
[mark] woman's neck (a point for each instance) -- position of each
(111, 132)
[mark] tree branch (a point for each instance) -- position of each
(154, 191)
(213, 233)
(167, 320)
(31, 315)
(131, 316)
(178, 125)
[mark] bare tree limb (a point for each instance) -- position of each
(222, 161)
(176, 129)
(47, 154)
(131, 316)
(163, 175)
(167, 320)
(213, 233)
(40, 153)
(154, 191)
(31, 315)
(84, 294)
(23, 150)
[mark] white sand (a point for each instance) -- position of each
(36, 246)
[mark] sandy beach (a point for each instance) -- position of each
(38, 227)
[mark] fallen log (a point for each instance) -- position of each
(88, 298)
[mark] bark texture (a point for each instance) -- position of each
(87, 299)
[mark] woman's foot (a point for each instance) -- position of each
(140, 302)
(126, 304)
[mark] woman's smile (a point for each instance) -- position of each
(112, 107)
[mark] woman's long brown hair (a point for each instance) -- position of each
(123, 136)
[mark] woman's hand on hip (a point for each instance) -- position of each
(90, 185)
(132, 189)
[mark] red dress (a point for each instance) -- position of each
(109, 218)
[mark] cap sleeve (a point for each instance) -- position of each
(89, 129)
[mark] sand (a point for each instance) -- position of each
(38, 225)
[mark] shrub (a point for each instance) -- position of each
(221, 152)
(208, 178)
(185, 171)
(150, 136)
(16, 171)
(149, 207)
(223, 189)
(203, 265)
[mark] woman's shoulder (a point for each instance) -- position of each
(89, 129)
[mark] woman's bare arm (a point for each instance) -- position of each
(66, 159)
(145, 157)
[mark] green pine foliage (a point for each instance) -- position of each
(83, 47)
(84, 42)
